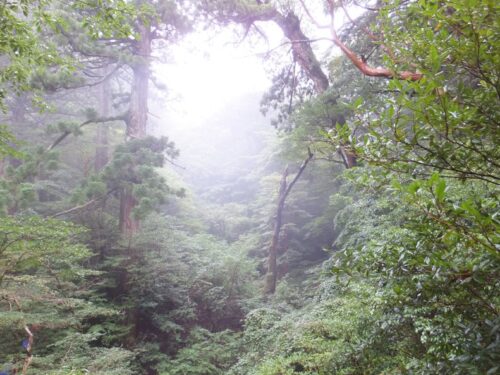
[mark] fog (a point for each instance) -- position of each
(212, 108)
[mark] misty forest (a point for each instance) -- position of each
(249, 187)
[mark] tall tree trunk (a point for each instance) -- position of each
(128, 224)
(137, 120)
(102, 136)
(304, 55)
(272, 260)
(136, 129)
(138, 111)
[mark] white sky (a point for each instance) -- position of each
(205, 74)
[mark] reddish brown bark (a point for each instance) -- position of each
(128, 224)
(137, 119)
(359, 63)
(370, 71)
(306, 58)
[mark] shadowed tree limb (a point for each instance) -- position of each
(84, 205)
(285, 189)
(122, 117)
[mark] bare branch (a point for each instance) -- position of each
(85, 205)
(299, 173)
(313, 20)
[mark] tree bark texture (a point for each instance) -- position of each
(128, 224)
(303, 53)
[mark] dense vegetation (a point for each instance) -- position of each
(359, 235)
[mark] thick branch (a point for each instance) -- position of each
(302, 52)
(289, 23)
(374, 72)
(361, 64)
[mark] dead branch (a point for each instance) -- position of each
(313, 20)
(85, 205)
(285, 189)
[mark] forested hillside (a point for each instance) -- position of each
(344, 221)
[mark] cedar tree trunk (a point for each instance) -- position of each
(137, 120)
(102, 136)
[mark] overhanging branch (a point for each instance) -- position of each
(85, 205)
(63, 136)
(359, 63)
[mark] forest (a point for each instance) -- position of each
(341, 218)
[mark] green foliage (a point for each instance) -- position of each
(337, 334)
(435, 266)
(443, 121)
(424, 225)
(29, 45)
(18, 183)
(7, 140)
(43, 287)
(134, 166)
(77, 354)
(108, 18)
(206, 353)
(40, 245)
(21, 45)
